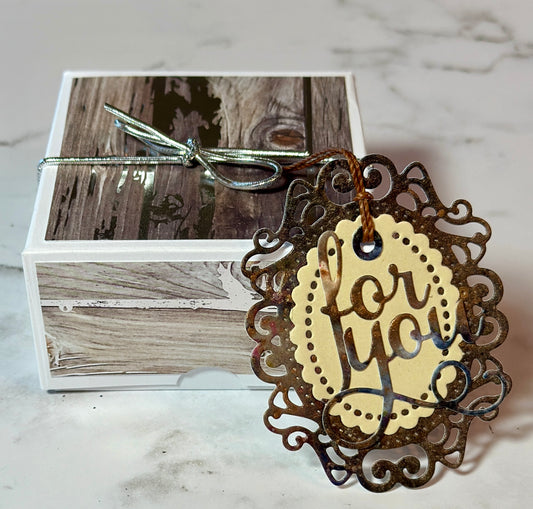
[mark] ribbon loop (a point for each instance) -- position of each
(170, 151)
(190, 152)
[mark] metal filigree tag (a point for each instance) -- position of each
(381, 353)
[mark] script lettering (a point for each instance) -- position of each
(346, 342)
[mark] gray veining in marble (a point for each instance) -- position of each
(447, 82)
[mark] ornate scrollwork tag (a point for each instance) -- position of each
(380, 352)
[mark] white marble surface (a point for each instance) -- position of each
(446, 82)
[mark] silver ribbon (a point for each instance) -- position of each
(186, 154)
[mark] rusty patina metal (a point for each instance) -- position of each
(407, 456)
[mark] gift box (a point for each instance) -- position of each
(133, 272)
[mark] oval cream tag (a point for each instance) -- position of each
(395, 304)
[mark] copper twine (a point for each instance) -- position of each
(362, 196)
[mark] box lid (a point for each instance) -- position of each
(172, 202)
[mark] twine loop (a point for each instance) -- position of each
(362, 196)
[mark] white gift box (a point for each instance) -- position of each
(133, 273)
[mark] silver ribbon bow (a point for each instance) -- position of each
(186, 154)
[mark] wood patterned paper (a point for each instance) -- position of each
(157, 317)
(172, 202)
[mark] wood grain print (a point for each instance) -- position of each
(173, 202)
(140, 317)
